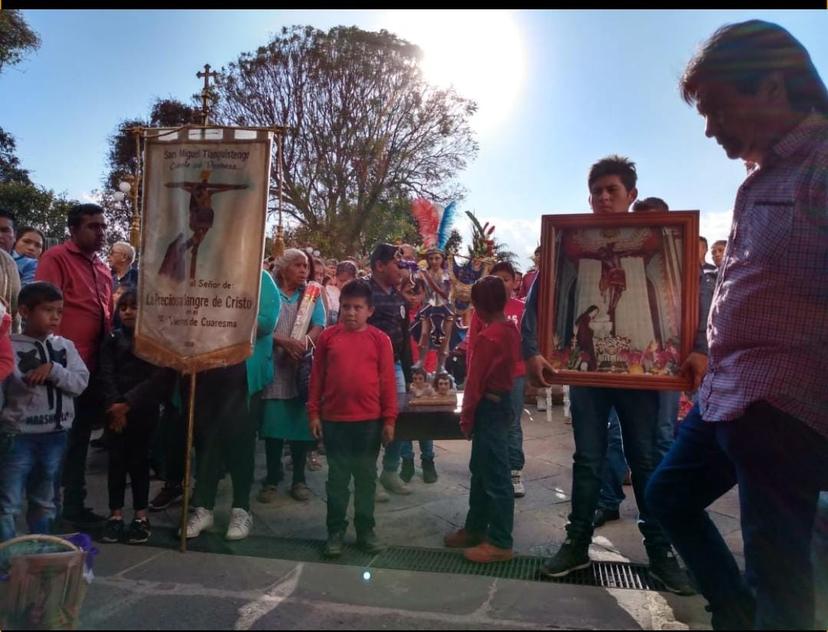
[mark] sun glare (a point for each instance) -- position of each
(479, 53)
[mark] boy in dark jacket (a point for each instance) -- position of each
(133, 390)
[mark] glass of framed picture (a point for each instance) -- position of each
(619, 298)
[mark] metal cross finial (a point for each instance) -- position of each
(205, 92)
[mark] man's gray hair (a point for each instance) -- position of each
(130, 251)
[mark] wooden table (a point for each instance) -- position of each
(428, 422)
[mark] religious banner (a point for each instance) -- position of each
(619, 297)
(202, 245)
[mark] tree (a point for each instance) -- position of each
(122, 161)
(10, 169)
(36, 206)
(366, 133)
(16, 38)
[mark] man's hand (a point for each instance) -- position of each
(38, 376)
(694, 367)
(118, 416)
(387, 434)
(316, 428)
(535, 366)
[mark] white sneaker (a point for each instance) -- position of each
(200, 520)
(517, 484)
(240, 523)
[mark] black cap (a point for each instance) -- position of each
(384, 253)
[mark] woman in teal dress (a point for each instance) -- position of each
(285, 417)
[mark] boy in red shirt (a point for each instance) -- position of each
(352, 406)
(514, 312)
(485, 419)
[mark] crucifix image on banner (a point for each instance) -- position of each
(201, 217)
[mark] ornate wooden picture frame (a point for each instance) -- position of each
(619, 298)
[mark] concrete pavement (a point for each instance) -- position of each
(148, 587)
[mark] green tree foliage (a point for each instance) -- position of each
(16, 38)
(36, 206)
(366, 132)
(10, 169)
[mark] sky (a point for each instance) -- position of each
(557, 90)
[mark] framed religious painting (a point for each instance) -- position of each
(619, 298)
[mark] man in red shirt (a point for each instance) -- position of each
(514, 312)
(485, 419)
(352, 407)
(86, 284)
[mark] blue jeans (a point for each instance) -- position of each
(668, 407)
(426, 449)
(637, 413)
(391, 456)
(779, 464)
(32, 466)
(516, 457)
(491, 495)
(614, 468)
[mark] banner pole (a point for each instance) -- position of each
(188, 449)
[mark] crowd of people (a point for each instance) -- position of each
(339, 342)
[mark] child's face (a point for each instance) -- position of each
(417, 379)
(43, 320)
(128, 311)
(508, 281)
(342, 278)
(443, 386)
(354, 313)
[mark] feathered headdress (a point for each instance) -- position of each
(433, 222)
(482, 241)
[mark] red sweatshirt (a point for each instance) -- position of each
(353, 376)
(514, 312)
(492, 367)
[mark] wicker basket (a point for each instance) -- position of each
(44, 591)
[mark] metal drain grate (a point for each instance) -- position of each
(601, 574)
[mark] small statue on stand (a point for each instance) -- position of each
(441, 393)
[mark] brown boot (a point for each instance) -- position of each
(462, 539)
(485, 553)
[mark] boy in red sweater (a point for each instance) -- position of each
(514, 312)
(352, 406)
(485, 419)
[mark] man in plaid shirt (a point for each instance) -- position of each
(762, 417)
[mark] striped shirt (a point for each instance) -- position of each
(768, 326)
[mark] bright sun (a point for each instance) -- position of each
(480, 53)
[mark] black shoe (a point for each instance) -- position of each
(167, 496)
(570, 557)
(139, 531)
(113, 530)
(664, 567)
(334, 545)
(83, 518)
(407, 470)
(603, 516)
(429, 473)
(369, 543)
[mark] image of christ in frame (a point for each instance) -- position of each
(619, 298)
